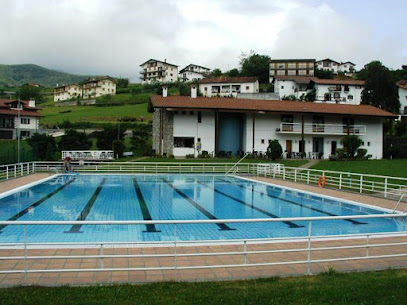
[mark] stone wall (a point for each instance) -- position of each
(168, 131)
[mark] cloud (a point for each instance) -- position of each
(114, 37)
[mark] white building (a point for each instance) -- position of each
(99, 86)
(192, 73)
(403, 97)
(67, 92)
(156, 71)
(338, 91)
(296, 86)
(328, 65)
(228, 86)
(348, 68)
(184, 125)
(16, 116)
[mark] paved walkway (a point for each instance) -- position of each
(310, 163)
(17, 182)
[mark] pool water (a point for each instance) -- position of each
(174, 197)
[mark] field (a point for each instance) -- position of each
(384, 287)
(93, 114)
(396, 168)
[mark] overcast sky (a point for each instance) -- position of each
(114, 37)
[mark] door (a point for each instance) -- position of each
(288, 147)
(318, 147)
(333, 147)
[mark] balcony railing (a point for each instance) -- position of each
(315, 128)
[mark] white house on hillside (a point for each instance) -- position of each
(66, 92)
(296, 86)
(348, 68)
(157, 71)
(184, 125)
(328, 65)
(338, 91)
(193, 73)
(228, 86)
(10, 123)
(403, 96)
(99, 86)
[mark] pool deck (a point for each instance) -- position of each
(204, 274)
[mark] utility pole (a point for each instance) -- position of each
(18, 128)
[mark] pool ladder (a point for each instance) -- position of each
(236, 164)
(398, 203)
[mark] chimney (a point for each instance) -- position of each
(31, 103)
(165, 60)
(165, 91)
(193, 91)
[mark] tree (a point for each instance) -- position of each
(324, 74)
(40, 144)
(274, 150)
(28, 92)
(118, 148)
(233, 73)
(253, 64)
(73, 140)
(311, 95)
(380, 90)
(216, 72)
(141, 139)
(105, 138)
(351, 144)
(122, 82)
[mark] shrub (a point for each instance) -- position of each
(274, 150)
(118, 148)
(340, 154)
(190, 156)
(361, 153)
(351, 144)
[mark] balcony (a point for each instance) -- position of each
(329, 129)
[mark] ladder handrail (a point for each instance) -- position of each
(227, 173)
(398, 203)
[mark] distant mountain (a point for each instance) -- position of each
(17, 75)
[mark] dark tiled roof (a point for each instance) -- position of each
(339, 82)
(402, 84)
(28, 111)
(96, 79)
(328, 59)
(223, 79)
(164, 62)
(248, 105)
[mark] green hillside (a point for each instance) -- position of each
(17, 75)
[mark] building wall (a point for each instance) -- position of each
(403, 100)
(189, 76)
(285, 87)
(244, 88)
(332, 66)
(170, 73)
(354, 91)
(299, 68)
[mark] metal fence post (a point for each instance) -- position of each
(385, 188)
(245, 251)
(25, 256)
(340, 181)
(309, 248)
(102, 263)
(15, 171)
(6, 172)
(175, 245)
(308, 171)
(295, 175)
(21, 169)
(361, 184)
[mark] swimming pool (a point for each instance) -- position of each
(175, 197)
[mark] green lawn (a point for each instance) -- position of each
(293, 163)
(94, 114)
(396, 168)
(384, 287)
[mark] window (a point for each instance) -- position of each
(269, 141)
(184, 112)
(175, 112)
(368, 143)
(25, 121)
(346, 88)
(184, 142)
(191, 113)
(350, 97)
(262, 141)
(25, 133)
(199, 117)
(282, 87)
(247, 87)
(287, 118)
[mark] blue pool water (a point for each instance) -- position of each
(174, 197)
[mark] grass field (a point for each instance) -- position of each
(384, 287)
(93, 114)
(396, 168)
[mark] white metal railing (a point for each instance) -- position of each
(315, 128)
(364, 243)
(386, 186)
